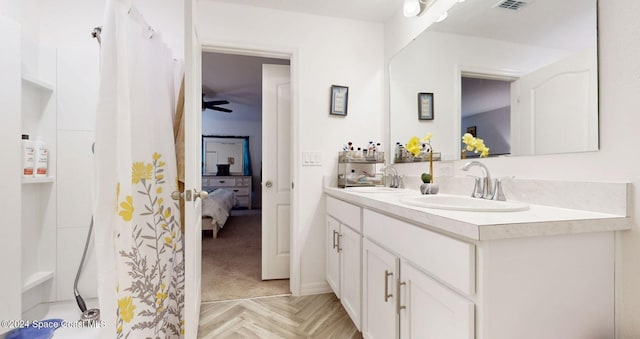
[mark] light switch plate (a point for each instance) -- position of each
(311, 159)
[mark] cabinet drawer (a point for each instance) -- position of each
(240, 190)
(344, 212)
(243, 181)
(219, 182)
(448, 259)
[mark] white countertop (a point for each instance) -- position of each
(538, 220)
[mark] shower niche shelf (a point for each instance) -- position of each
(43, 180)
(38, 228)
(42, 85)
(36, 279)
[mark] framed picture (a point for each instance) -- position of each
(472, 130)
(425, 106)
(339, 100)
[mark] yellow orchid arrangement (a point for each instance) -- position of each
(475, 145)
(417, 146)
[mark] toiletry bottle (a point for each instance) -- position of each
(352, 178)
(28, 156)
(41, 158)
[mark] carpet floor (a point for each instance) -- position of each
(231, 263)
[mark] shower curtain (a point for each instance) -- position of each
(139, 243)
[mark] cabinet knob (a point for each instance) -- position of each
(268, 184)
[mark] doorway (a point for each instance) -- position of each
(486, 111)
(231, 261)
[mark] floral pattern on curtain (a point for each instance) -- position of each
(154, 258)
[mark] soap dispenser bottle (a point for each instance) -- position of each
(41, 158)
(28, 157)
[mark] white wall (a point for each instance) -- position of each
(326, 51)
(619, 67)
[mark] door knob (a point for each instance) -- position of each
(175, 195)
(200, 194)
(268, 184)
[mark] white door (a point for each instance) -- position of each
(193, 176)
(380, 271)
(276, 169)
(557, 107)
(10, 170)
(432, 310)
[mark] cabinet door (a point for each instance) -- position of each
(350, 249)
(333, 257)
(380, 270)
(432, 311)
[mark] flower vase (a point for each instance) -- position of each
(430, 187)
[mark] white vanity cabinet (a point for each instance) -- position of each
(344, 253)
(379, 303)
(545, 272)
(402, 301)
(430, 310)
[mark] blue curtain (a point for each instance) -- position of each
(247, 157)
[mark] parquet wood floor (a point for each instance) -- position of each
(315, 316)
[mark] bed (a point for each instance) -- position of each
(216, 208)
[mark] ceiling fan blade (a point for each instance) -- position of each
(217, 102)
(221, 109)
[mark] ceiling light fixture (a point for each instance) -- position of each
(442, 17)
(411, 8)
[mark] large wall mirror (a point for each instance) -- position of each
(224, 155)
(523, 78)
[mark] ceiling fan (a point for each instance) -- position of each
(214, 105)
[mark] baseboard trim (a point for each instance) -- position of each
(315, 288)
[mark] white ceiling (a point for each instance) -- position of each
(368, 10)
(560, 24)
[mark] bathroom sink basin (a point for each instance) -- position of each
(463, 203)
(375, 189)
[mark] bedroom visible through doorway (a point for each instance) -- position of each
(232, 106)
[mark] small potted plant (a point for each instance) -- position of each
(416, 146)
(428, 187)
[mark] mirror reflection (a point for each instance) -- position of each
(522, 78)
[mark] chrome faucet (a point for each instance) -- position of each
(394, 179)
(482, 187)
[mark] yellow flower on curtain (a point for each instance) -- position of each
(156, 156)
(139, 171)
(126, 308)
(126, 211)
